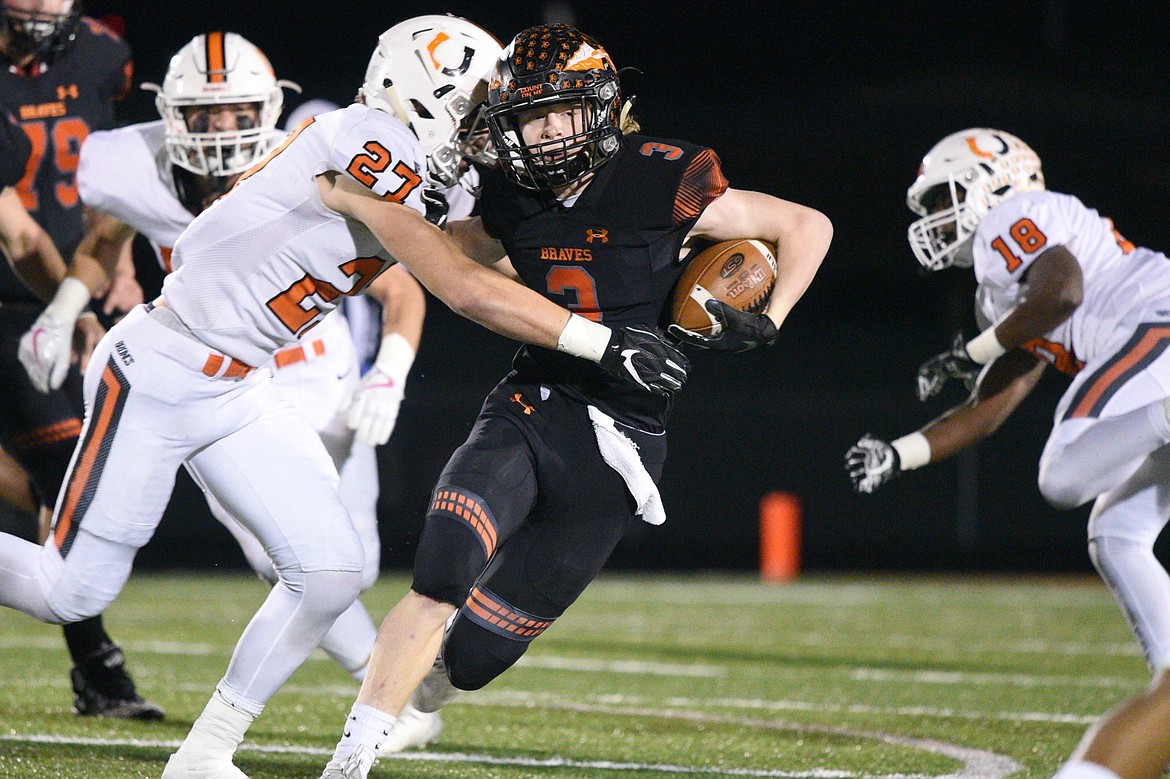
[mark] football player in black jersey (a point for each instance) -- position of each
(33, 257)
(562, 460)
(59, 75)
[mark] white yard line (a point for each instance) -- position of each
(621, 666)
(528, 699)
(977, 763)
(1032, 646)
(1009, 680)
(811, 639)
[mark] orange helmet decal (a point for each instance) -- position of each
(973, 145)
(588, 58)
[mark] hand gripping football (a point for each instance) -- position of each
(741, 273)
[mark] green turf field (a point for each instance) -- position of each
(674, 676)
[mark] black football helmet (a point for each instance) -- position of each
(547, 64)
(43, 34)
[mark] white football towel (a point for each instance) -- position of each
(619, 453)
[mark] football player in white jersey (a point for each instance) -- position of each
(153, 178)
(337, 203)
(1057, 285)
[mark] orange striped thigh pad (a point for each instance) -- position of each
(468, 508)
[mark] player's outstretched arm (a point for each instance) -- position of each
(488, 298)
(872, 462)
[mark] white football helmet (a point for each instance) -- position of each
(219, 68)
(431, 72)
(962, 178)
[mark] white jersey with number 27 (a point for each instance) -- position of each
(261, 266)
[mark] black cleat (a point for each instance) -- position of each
(102, 688)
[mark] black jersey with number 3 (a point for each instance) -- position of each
(611, 256)
(58, 105)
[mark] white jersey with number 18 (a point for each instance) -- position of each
(1121, 281)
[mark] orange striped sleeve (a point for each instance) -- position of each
(702, 182)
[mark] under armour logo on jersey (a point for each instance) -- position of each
(601, 234)
(67, 91)
(518, 398)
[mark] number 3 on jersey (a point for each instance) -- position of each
(575, 282)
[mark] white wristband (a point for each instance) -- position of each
(395, 356)
(985, 347)
(71, 299)
(913, 451)
(584, 338)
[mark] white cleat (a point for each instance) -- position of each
(356, 766)
(413, 729)
(182, 766)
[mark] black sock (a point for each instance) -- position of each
(86, 638)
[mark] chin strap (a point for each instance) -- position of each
(195, 192)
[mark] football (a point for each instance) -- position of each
(741, 273)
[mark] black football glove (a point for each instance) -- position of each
(739, 331)
(871, 462)
(436, 204)
(955, 363)
(640, 355)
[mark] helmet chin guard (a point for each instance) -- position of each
(963, 177)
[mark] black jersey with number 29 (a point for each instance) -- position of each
(58, 106)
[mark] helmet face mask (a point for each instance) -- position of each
(554, 69)
(963, 177)
(430, 72)
(42, 34)
(208, 152)
(473, 143)
(216, 73)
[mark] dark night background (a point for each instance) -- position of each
(830, 104)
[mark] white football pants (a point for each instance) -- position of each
(1109, 443)
(318, 377)
(156, 397)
